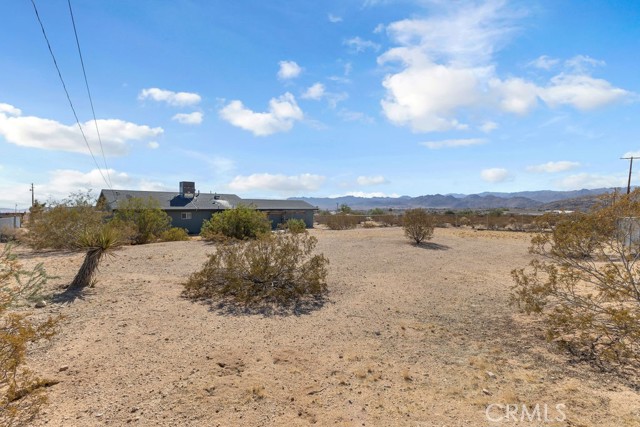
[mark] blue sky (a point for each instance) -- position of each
(280, 98)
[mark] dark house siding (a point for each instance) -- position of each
(193, 224)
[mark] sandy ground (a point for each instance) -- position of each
(409, 337)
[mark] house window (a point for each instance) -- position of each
(185, 215)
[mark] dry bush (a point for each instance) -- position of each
(174, 234)
(586, 284)
(418, 225)
(62, 224)
(274, 270)
(369, 224)
(9, 234)
(21, 391)
(293, 225)
(389, 220)
(342, 221)
(240, 223)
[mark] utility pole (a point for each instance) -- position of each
(630, 168)
(33, 196)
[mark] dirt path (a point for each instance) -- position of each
(410, 337)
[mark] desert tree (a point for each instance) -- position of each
(585, 282)
(97, 244)
(418, 225)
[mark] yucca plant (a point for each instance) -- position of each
(98, 244)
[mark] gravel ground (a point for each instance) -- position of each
(409, 336)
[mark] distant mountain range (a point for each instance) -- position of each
(529, 200)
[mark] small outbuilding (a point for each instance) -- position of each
(189, 208)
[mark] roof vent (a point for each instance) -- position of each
(187, 189)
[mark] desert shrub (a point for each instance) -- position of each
(389, 220)
(585, 283)
(62, 224)
(418, 225)
(174, 234)
(241, 223)
(21, 391)
(9, 234)
(275, 269)
(141, 220)
(464, 221)
(369, 224)
(293, 225)
(345, 209)
(376, 211)
(342, 221)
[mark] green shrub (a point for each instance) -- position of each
(275, 269)
(342, 221)
(293, 225)
(141, 219)
(62, 224)
(241, 223)
(418, 225)
(174, 234)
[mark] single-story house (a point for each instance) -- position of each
(189, 208)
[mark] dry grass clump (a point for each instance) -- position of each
(274, 270)
(21, 394)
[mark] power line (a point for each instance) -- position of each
(64, 86)
(86, 82)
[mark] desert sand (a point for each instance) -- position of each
(409, 336)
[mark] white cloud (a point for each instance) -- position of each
(587, 180)
(355, 116)
(371, 180)
(277, 182)
(288, 70)
(581, 91)
(446, 68)
(36, 132)
(176, 99)
(334, 18)
(153, 145)
(194, 118)
(358, 44)
(63, 182)
(316, 92)
(634, 154)
(494, 175)
(379, 28)
(283, 112)
(449, 143)
(553, 167)
(515, 95)
(10, 110)
(425, 95)
(580, 64)
(544, 62)
(489, 126)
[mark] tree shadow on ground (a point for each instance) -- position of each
(230, 307)
(68, 295)
(433, 246)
